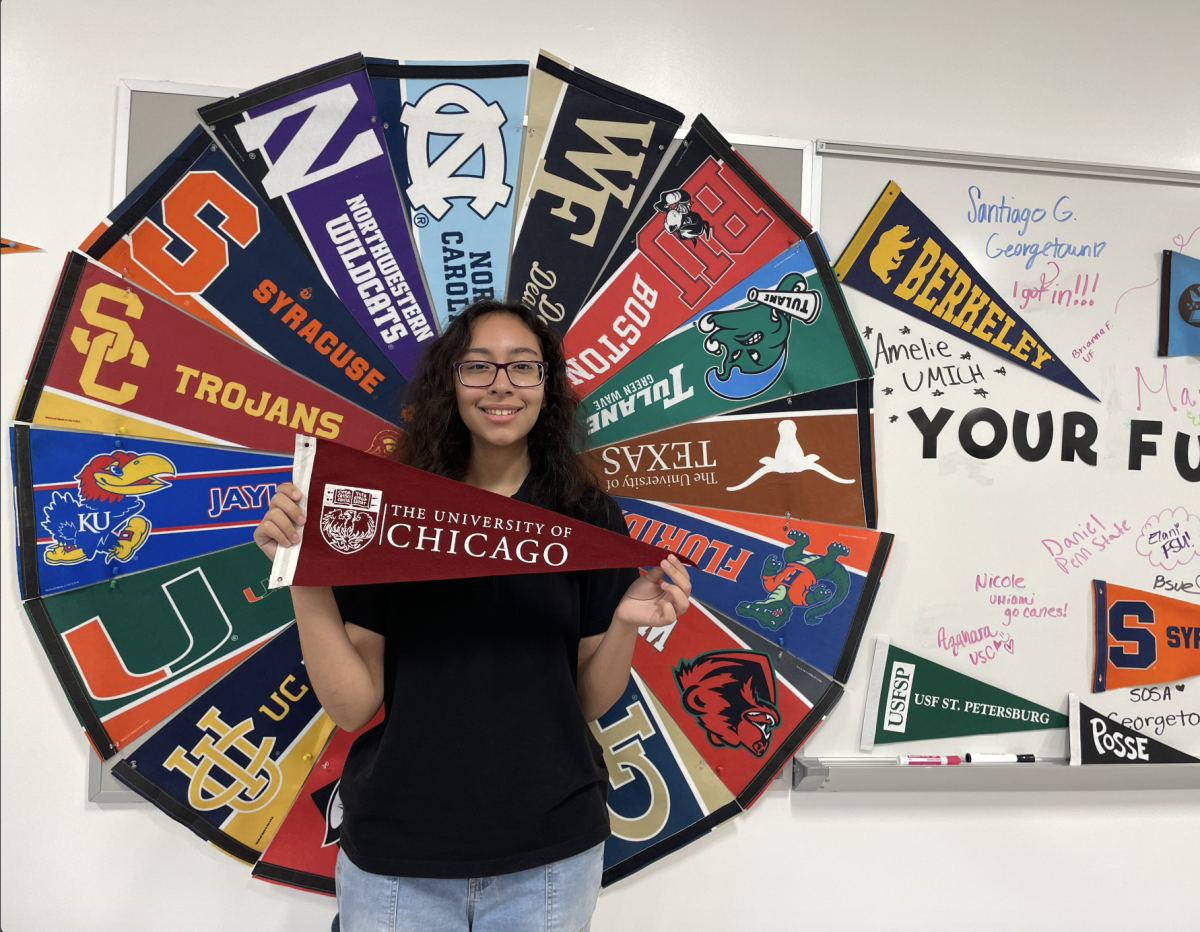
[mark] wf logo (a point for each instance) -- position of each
(253, 779)
(624, 754)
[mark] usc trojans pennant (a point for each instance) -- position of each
(370, 521)
(1142, 637)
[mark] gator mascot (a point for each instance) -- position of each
(103, 515)
(731, 694)
(819, 583)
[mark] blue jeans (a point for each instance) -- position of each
(558, 897)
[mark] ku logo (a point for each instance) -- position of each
(789, 458)
(103, 515)
(817, 583)
(458, 113)
(731, 694)
(113, 344)
(349, 516)
(230, 770)
(887, 254)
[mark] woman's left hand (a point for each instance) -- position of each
(654, 600)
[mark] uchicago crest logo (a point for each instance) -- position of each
(349, 516)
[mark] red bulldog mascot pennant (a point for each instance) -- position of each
(371, 521)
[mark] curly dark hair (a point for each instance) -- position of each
(438, 441)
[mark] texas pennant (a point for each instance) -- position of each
(591, 150)
(742, 703)
(130, 652)
(900, 257)
(1179, 305)
(11, 246)
(253, 282)
(229, 764)
(312, 145)
(910, 698)
(371, 520)
(94, 507)
(780, 334)
(810, 456)
(454, 134)
(1098, 739)
(1142, 637)
(117, 359)
(807, 587)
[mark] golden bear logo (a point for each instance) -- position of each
(885, 257)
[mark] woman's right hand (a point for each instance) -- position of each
(282, 522)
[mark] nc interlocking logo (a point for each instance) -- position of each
(248, 785)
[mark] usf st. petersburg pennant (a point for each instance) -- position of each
(117, 359)
(312, 145)
(910, 698)
(1098, 739)
(253, 282)
(591, 150)
(1179, 305)
(370, 520)
(1142, 637)
(900, 257)
(229, 764)
(453, 132)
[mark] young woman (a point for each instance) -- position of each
(479, 802)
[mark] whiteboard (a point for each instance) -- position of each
(980, 542)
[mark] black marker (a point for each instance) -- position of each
(1000, 759)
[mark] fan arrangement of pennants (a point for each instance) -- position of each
(281, 272)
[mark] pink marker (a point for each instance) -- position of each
(913, 760)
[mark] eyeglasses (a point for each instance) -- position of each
(523, 373)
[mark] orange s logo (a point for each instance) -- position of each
(113, 345)
(210, 252)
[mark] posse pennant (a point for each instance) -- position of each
(1179, 305)
(371, 520)
(1142, 637)
(1099, 739)
(900, 257)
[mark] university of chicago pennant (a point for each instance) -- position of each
(1142, 637)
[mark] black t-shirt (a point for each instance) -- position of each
(483, 763)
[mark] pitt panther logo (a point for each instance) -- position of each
(887, 254)
(250, 780)
(349, 516)
(113, 344)
(455, 112)
(732, 695)
(752, 338)
(816, 583)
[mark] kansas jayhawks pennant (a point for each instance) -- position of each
(1099, 739)
(253, 282)
(312, 146)
(228, 765)
(900, 257)
(1142, 637)
(591, 150)
(453, 132)
(778, 335)
(115, 358)
(1179, 305)
(809, 455)
(93, 507)
(805, 586)
(130, 652)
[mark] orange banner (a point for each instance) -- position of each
(1143, 637)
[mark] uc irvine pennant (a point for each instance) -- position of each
(312, 145)
(1179, 305)
(900, 257)
(453, 133)
(253, 281)
(1099, 739)
(591, 151)
(370, 520)
(130, 652)
(1142, 637)
(229, 764)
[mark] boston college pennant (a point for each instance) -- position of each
(379, 521)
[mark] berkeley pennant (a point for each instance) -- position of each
(1179, 305)
(1099, 739)
(453, 132)
(370, 520)
(900, 257)
(1142, 637)
(910, 698)
(117, 359)
(312, 145)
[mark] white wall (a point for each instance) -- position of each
(1108, 82)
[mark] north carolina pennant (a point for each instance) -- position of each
(370, 520)
(229, 765)
(115, 358)
(780, 334)
(591, 149)
(130, 652)
(1179, 305)
(94, 507)
(312, 145)
(253, 282)
(1098, 739)
(454, 134)
(805, 586)
(810, 456)
(1142, 637)
(900, 257)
